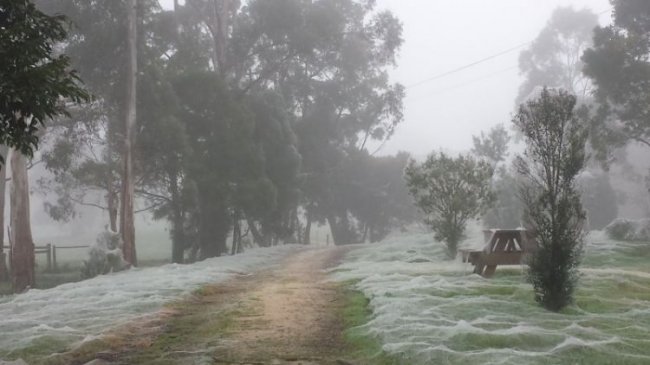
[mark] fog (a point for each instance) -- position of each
(324, 182)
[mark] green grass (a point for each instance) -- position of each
(361, 346)
(631, 256)
(198, 326)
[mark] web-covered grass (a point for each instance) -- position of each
(41, 322)
(438, 312)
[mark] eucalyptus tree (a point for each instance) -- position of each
(89, 153)
(376, 194)
(330, 61)
(618, 64)
(554, 57)
(34, 79)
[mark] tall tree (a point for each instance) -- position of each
(22, 244)
(338, 90)
(34, 82)
(618, 65)
(127, 223)
(555, 155)
(374, 190)
(554, 57)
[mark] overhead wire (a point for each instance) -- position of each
(469, 65)
(478, 62)
(472, 81)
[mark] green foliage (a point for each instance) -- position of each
(329, 60)
(629, 230)
(554, 156)
(618, 66)
(493, 146)
(375, 193)
(507, 210)
(33, 77)
(599, 199)
(242, 145)
(450, 192)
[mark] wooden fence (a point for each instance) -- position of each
(49, 250)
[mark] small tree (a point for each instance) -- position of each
(554, 156)
(450, 191)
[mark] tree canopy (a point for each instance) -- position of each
(618, 65)
(450, 191)
(554, 57)
(35, 81)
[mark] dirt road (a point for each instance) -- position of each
(291, 315)
(287, 315)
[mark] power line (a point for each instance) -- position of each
(482, 60)
(439, 76)
(472, 81)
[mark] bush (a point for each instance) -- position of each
(105, 256)
(629, 230)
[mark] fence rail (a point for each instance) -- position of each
(50, 251)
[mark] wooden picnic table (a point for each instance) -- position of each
(502, 247)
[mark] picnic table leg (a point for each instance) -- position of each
(489, 271)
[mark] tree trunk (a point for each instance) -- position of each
(112, 203)
(365, 233)
(341, 233)
(307, 237)
(296, 229)
(220, 15)
(22, 245)
(178, 222)
(214, 225)
(4, 274)
(127, 226)
(331, 221)
(257, 235)
(236, 235)
(178, 237)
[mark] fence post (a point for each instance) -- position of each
(53, 250)
(49, 257)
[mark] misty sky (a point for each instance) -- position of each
(442, 35)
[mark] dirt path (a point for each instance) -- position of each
(291, 318)
(287, 315)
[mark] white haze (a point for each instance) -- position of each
(444, 35)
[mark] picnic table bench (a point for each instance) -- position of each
(503, 247)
